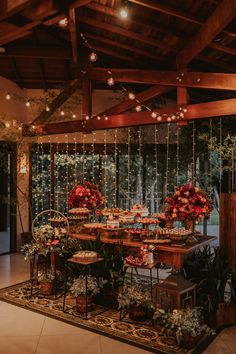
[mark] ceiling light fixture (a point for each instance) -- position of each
(63, 22)
(124, 11)
(93, 57)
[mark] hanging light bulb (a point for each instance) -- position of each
(138, 108)
(62, 113)
(73, 115)
(185, 109)
(20, 127)
(168, 119)
(154, 115)
(7, 125)
(8, 96)
(159, 118)
(33, 126)
(47, 109)
(63, 22)
(131, 96)
(181, 115)
(27, 103)
(93, 57)
(98, 118)
(173, 117)
(110, 81)
(106, 117)
(87, 118)
(124, 10)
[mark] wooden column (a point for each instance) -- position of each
(182, 100)
(228, 226)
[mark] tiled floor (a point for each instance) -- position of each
(26, 332)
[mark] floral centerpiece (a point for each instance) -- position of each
(49, 238)
(188, 203)
(85, 195)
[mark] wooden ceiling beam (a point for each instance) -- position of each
(57, 102)
(79, 3)
(39, 51)
(127, 33)
(73, 35)
(142, 97)
(170, 78)
(17, 74)
(216, 63)
(167, 10)
(124, 46)
(195, 111)
(8, 9)
(221, 17)
(223, 48)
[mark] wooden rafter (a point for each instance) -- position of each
(142, 97)
(221, 17)
(167, 30)
(170, 78)
(7, 10)
(57, 102)
(115, 44)
(127, 33)
(181, 14)
(73, 35)
(195, 111)
(216, 63)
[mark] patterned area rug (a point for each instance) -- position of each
(138, 334)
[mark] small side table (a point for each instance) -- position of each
(85, 264)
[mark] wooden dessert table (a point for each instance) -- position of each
(168, 254)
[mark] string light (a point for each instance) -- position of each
(7, 124)
(105, 167)
(93, 57)
(27, 103)
(167, 160)
(67, 171)
(93, 157)
(153, 115)
(193, 154)
(116, 168)
(87, 118)
(47, 109)
(63, 22)
(140, 163)
(128, 168)
(177, 155)
(37, 180)
(73, 115)
(156, 168)
(62, 113)
(98, 118)
(83, 157)
(110, 81)
(131, 96)
(8, 96)
(57, 175)
(138, 108)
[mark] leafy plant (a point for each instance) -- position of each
(78, 287)
(134, 294)
(211, 272)
(46, 276)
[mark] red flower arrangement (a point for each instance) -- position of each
(85, 195)
(188, 203)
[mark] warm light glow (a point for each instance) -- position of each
(98, 117)
(111, 81)
(124, 12)
(93, 57)
(62, 113)
(47, 109)
(131, 96)
(63, 22)
(168, 119)
(8, 96)
(7, 125)
(138, 108)
(106, 117)
(154, 115)
(27, 103)
(159, 118)
(87, 118)
(74, 115)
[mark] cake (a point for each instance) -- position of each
(79, 211)
(85, 255)
(112, 211)
(140, 210)
(112, 223)
(126, 217)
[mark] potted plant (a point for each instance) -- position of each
(78, 290)
(187, 326)
(47, 282)
(136, 300)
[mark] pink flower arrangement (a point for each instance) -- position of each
(188, 203)
(85, 195)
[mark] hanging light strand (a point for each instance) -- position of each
(128, 167)
(37, 179)
(57, 175)
(210, 160)
(140, 163)
(76, 160)
(193, 152)
(67, 171)
(84, 162)
(115, 169)
(93, 158)
(156, 168)
(177, 155)
(167, 160)
(105, 166)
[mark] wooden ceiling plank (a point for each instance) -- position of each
(217, 63)
(221, 17)
(57, 102)
(73, 35)
(79, 3)
(123, 46)
(17, 74)
(39, 51)
(127, 33)
(219, 81)
(17, 7)
(223, 48)
(142, 97)
(195, 111)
